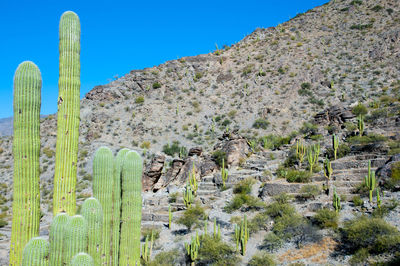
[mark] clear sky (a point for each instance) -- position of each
(119, 36)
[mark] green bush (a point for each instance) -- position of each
(214, 251)
(309, 192)
(2, 223)
(274, 142)
(217, 156)
(166, 258)
(277, 209)
(370, 139)
(326, 218)
(173, 149)
(193, 216)
(272, 242)
(309, 129)
(357, 201)
(342, 151)
(374, 234)
(262, 259)
(146, 232)
(261, 123)
(360, 257)
(156, 85)
(258, 222)
(48, 152)
(360, 109)
(243, 200)
(294, 176)
(139, 100)
(244, 186)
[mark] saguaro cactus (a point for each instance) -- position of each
(26, 151)
(56, 238)
(36, 253)
(131, 209)
(103, 177)
(117, 206)
(335, 145)
(370, 181)
(64, 198)
(93, 213)
(82, 259)
(192, 248)
(75, 240)
(300, 151)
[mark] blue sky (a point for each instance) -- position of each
(119, 36)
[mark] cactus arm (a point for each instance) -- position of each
(131, 215)
(36, 253)
(64, 197)
(93, 213)
(26, 152)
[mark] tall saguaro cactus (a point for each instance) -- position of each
(36, 253)
(131, 209)
(117, 205)
(93, 213)
(56, 238)
(103, 177)
(26, 151)
(64, 198)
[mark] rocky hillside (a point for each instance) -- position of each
(299, 80)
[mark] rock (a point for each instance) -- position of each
(334, 114)
(273, 189)
(153, 172)
(385, 172)
(234, 146)
(186, 170)
(378, 147)
(195, 151)
(170, 175)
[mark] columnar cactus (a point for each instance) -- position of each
(147, 248)
(117, 206)
(64, 198)
(328, 169)
(312, 155)
(26, 151)
(188, 197)
(192, 180)
(360, 122)
(224, 173)
(370, 181)
(93, 213)
(131, 209)
(103, 177)
(335, 145)
(192, 248)
(169, 217)
(82, 259)
(75, 240)
(241, 236)
(56, 238)
(300, 151)
(36, 253)
(336, 201)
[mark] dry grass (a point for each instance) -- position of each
(317, 252)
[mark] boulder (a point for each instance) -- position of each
(195, 151)
(170, 175)
(385, 172)
(273, 188)
(153, 172)
(234, 146)
(334, 114)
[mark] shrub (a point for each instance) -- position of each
(294, 176)
(360, 257)
(309, 129)
(244, 186)
(274, 142)
(258, 222)
(243, 200)
(139, 100)
(357, 201)
(214, 251)
(172, 197)
(145, 145)
(261, 123)
(194, 215)
(374, 234)
(262, 259)
(277, 209)
(218, 155)
(370, 139)
(342, 151)
(359, 109)
(48, 152)
(156, 85)
(166, 258)
(146, 232)
(306, 86)
(2, 223)
(309, 192)
(173, 149)
(272, 242)
(326, 218)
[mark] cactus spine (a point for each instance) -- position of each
(117, 206)
(335, 145)
(26, 151)
(64, 198)
(56, 238)
(36, 253)
(75, 240)
(82, 259)
(131, 209)
(93, 213)
(370, 181)
(103, 176)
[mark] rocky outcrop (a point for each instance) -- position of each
(385, 172)
(234, 146)
(153, 172)
(334, 115)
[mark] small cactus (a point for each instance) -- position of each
(188, 197)
(242, 236)
(192, 180)
(192, 248)
(36, 253)
(335, 145)
(300, 151)
(169, 217)
(336, 201)
(360, 122)
(224, 173)
(370, 181)
(312, 155)
(378, 198)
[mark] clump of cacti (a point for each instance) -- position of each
(188, 197)
(241, 236)
(75, 237)
(103, 171)
(328, 169)
(147, 248)
(26, 151)
(64, 197)
(192, 248)
(370, 181)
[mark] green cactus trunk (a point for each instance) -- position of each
(131, 209)
(64, 198)
(56, 238)
(36, 253)
(82, 259)
(75, 240)
(103, 176)
(117, 206)
(26, 151)
(93, 213)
